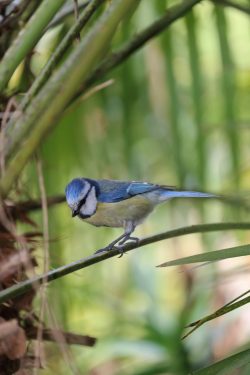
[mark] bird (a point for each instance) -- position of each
(115, 203)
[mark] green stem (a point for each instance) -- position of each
(229, 89)
(48, 105)
(197, 95)
(27, 39)
(68, 10)
(222, 311)
(60, 50)
(25, 286)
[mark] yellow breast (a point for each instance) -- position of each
(116, 214)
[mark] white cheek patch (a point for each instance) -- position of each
(89, 208)
(84, 191)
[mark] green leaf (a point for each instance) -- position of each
(225, 366)
(211, 256)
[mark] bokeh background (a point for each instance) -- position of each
(175, 113)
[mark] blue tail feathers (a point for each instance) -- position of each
(187, 194)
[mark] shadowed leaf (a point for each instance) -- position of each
(227, 365)
(211, 256)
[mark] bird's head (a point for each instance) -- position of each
(81, 196)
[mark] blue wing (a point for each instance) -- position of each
(115, 191)
(111, 191)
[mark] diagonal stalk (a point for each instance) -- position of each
(27, 285)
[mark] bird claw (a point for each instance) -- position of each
(110, 247)
(107, 248)
(118, 247)
(121, 251)
(100, 251)
(132, 239)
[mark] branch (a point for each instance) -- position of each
(25, 286)
(33, 205)
(229, 3)
(69, 337)
(26, 39)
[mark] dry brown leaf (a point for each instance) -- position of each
(12, 264)
(12, 339)
(24, 302)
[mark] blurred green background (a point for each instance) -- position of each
(176, 113)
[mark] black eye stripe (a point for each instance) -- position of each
(82, 201)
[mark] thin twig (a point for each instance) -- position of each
(70, 338)
(11, 103)
(45, 214)
(62, 342)
(76, 12)
(237, 298)
(38, 348)
(27, 285)
(76, 9)
(95, 89)
(222, 311)
(66, 11)
(33, 205)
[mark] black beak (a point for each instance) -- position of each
(75, 213)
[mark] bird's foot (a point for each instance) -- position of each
(109, 247)
(119, 246)
(124, 241)
(121, 250)
(112, 247)
(131, 239)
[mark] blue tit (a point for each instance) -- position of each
(113, 203)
